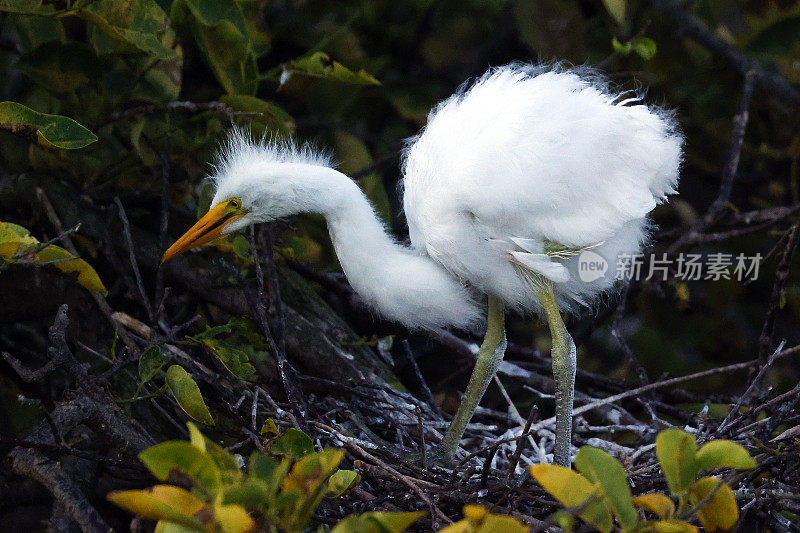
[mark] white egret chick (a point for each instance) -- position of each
(513, 177)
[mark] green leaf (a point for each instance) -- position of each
(378, 522)
(187, 394)
(234, 65)
(304, 487)
(163, 502)
(341, 482)
(18, 246)
(268, 471)
(213, 332)
(162, 526)
(616, 8)
(50, 130)
(310, 472)
(34, 31)
(249, 494)
(215, 12)
(623, 49)
(721, 511)
(186, 458)
(27, 7)
(723, 454)
(657, 503)
(645, 47)
(600, 468)
(221, 32)
(676, 451)
(320, 65)
(263, 467)
(62, 68)
(774, 42)
(293, 444)
(150, 362)
(140, 23)
(232, 358)
(572, 490)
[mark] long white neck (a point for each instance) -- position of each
(400, 283)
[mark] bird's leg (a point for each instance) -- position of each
(489, 357)
(564, 367)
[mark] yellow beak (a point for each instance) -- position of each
(206, 230)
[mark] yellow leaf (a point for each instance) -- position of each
(475, 513)
(497, 523)
(310, 472)
(673, 526)
(721, 511)
(234, 519)
(164, 502)
(657, 503)
(462, 526)
(572, 490)
(477, 519)
(269, 427)
(17, 245)
(196, 438)
(568, 486)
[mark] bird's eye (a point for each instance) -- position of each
(235, 203)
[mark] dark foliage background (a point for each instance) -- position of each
(159, 82)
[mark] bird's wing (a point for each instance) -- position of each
(548, 156)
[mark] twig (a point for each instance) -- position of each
(512, 467)
(729, 167)
(753, 384)
(277, 322)
(67, 450)
(778, 291)
(435, 511)
(422, 448)
(191, 107)
(285, 370)
(126, 227)
(628, 394)
(737, 141)
(408, 356)
(161, 293)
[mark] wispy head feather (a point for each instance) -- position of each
(240, 149)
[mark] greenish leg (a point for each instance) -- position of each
(489, 357)
(564, 367)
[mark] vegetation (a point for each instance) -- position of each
(111, 112)
(599, 494)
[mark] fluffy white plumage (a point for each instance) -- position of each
(537, 153)
(523, 156)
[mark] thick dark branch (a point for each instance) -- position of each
(773, 83)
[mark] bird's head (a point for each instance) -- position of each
(256, 181)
